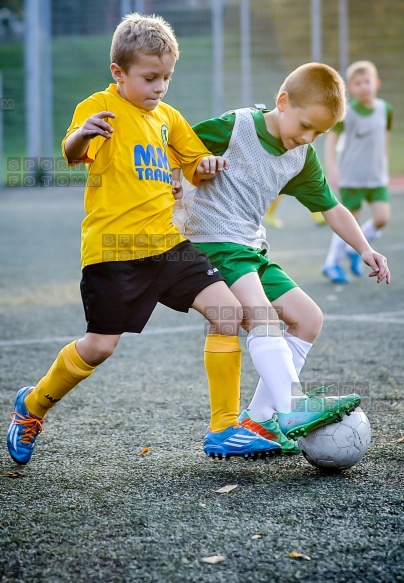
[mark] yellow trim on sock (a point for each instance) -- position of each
(221, 343)
(222, 358)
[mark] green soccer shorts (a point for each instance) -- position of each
(352, 198)
(234, 260)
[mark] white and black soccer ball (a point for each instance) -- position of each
(339, 445)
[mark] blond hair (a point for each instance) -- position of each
(316, 84)
(146, 35)
(361, 67)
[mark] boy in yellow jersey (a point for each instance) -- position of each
(132, 255)
(356, 158)
(271, 152)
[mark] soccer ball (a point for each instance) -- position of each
(338, 446)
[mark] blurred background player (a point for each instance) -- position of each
(356, 157)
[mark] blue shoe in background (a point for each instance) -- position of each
(336, 274)
(356, 263)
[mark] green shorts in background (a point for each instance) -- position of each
(234, 260)
(352, 198)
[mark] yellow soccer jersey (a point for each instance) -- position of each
(128, 197)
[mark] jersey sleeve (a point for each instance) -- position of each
(310, 186)
(206, 138)
(215, 133)
(185, 149)
(83, 111)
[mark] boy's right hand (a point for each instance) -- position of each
(96, 126)
(209, 166)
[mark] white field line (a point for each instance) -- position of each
(396, 318)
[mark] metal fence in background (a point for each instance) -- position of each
(54, 53)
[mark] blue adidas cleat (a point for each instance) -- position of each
(356, 264)
(23, 429)
(269, 430)
(336, 274)
(238, 441)
(311, 412)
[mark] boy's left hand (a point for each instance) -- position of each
(209, 166)
(177, 189)
(378, 263)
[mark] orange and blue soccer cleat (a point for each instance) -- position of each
(23, 430)
(311, 412)
(238, 441)
(269, 430)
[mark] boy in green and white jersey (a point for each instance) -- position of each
(270, 153)
(356, 160)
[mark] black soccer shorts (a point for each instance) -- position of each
(120, 296)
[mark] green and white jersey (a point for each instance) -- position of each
(230, 207)
(362, 148)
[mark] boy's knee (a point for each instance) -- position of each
(96, 350)
(105, 348)
(317, 322)
(313, 324)
(226, 320)
(382, 222)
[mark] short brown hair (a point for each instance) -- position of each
(146, 35)
(317, 83)
(361, 67)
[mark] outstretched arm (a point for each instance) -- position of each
(343, 223)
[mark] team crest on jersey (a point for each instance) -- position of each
(164, 134)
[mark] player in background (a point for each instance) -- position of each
(132, 255)
(271, 152)
(356, 158)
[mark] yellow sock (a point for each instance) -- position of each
(223, 368)
(64, 374)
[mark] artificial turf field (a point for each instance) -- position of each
(89, 508)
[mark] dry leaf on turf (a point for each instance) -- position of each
(144, 451)
(296, 555)
(256, 536)
(202, 505)
(213, 559)
(14, 474)
(226, 489)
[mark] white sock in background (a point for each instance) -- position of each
(273, 360)
(336, 252)
(370, 231)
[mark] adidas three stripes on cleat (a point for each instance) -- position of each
(238, 441)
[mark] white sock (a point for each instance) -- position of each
(299, 348)
(336, 252)
(370, 231)
(273, 360)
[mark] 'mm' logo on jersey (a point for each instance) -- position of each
(152, 163)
